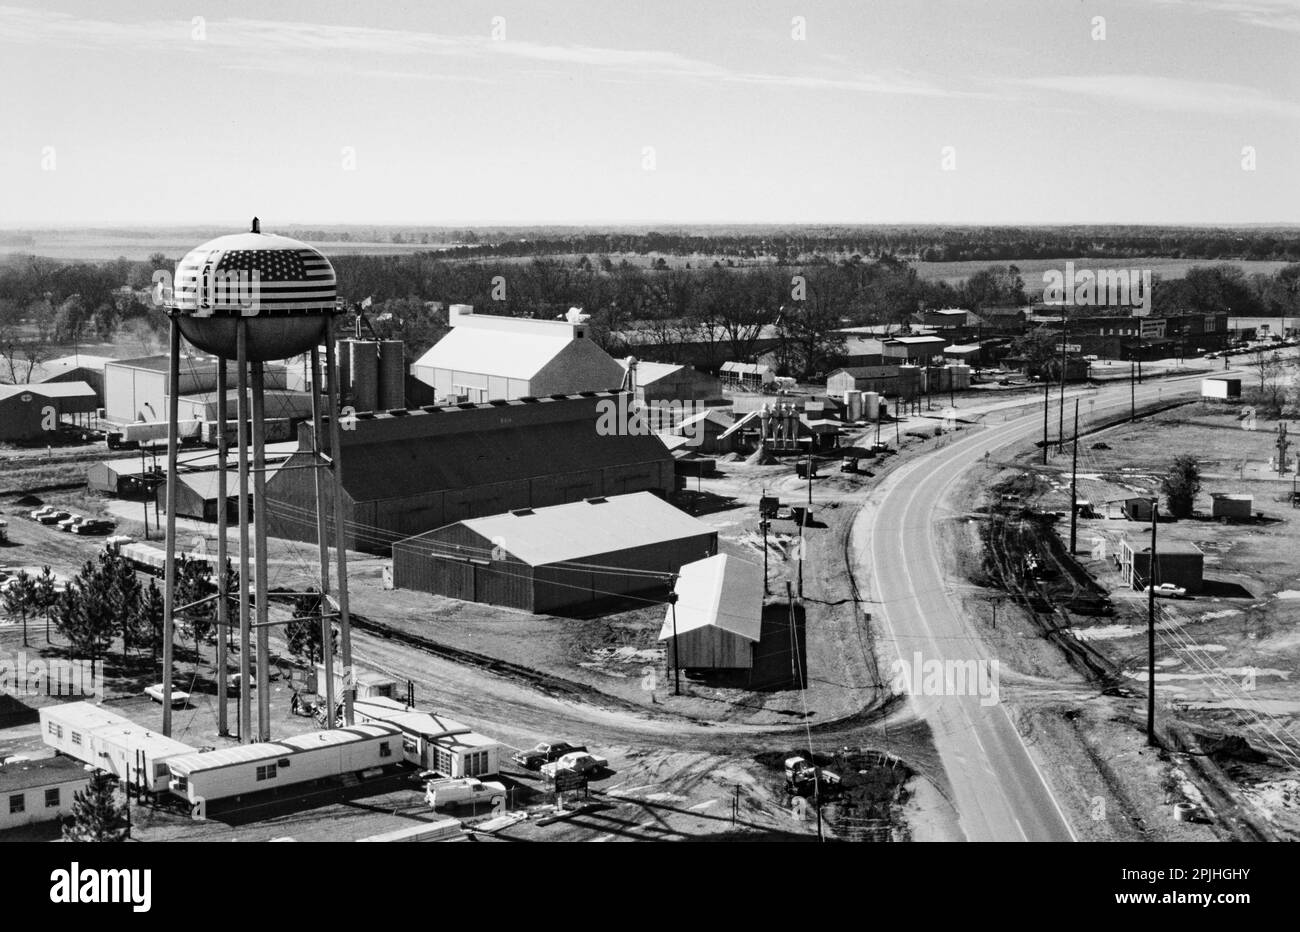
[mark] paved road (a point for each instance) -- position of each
(999, 791)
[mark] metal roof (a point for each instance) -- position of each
(503, 353)
(560, 533)
(47, 771)
(138, 737)
(720, 591)
(404, 467)
(428, 724)
(85, 716)
(911, 341)
(271, 750)
(49, 390)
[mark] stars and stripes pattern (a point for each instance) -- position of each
(254, 281)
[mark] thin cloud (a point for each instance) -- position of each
(262, 44)
(1266, 14)
(1174, 94)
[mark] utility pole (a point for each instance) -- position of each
(677, 660)
(144, 481)
(1132, 393)
(1151, 630)
(1060, 429)
(1047, 388)
(803, 549)
(1074, 481)
(794, 635)
(810, 472)
(764, 524)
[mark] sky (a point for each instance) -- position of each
(671, 112)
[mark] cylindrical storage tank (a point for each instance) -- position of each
(392, 375)
(343, 360)
(365, 375)
(853, 401)
(871, 405)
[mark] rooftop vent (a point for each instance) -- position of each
(598, 500)
(521, 512)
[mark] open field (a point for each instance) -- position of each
(1227, 659)
(1031, 270)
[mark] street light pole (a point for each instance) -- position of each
(1151, 629)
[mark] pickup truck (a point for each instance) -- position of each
(544, 753)
(575, 762)
(441, 793)
(798, 772)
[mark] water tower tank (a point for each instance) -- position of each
(283, 288)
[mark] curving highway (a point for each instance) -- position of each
(998, 788)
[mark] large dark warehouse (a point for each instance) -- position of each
(408, 472)
(557, 560)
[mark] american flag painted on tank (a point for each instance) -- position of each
(254, 281)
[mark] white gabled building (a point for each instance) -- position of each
(487, 357)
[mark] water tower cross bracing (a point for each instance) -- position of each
(249, 298)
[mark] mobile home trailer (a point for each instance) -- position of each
(112, 743)
(229, 773)
(434, 742)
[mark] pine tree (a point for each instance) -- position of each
(46, 595)
(97, 814)
(147, 624)
(20, 598)
(303, 633)
(124, 595)
(84, 613)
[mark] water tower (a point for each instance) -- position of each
(249, 298)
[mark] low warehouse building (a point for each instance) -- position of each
(39, 790)
(197, 495)
(137, 389)
(1177, 562)
(1231, 506)
(29, 412)
(718, 617)
(656, 382)
(434, 742)
(487, 357)
(79, 368)
(408, 472)
(556, 560)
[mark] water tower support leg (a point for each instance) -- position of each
(340, 530)
(169, 540)
(223, 600)
(241, 434)
(259, 536)
(322, 535)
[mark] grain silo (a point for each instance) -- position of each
(365, 374)
(392, 375)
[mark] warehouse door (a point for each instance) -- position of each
(460, 580)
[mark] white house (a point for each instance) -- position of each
(39, 790)
(487, 357)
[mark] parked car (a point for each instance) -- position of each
(69, 522)
(575, 762)
(179, 698)
(799, 772)
(38, 513)
(54, 517)
(850, 464)
(441, 793)
(785, 512)
(93, 526)
(1168, 590)
(544, 753)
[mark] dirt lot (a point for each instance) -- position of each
(1226, 659)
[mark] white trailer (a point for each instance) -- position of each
(434, 742)
(229, 773)
(112, 743)
(1220, 388)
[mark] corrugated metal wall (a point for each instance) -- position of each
(392, 375)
